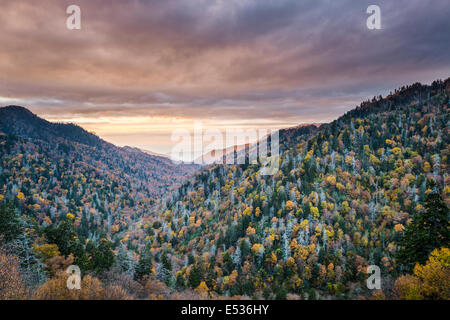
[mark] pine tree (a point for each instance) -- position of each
(10, 227)
(64, 236)
(427, 231)
(164, 270)
(281, 294)
(195, 276)
(103, 257)
(144, 266)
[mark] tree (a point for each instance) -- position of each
(56, 289)
(10, 227)
(427, 231)
(202, 290)
(407, 287)
(144, 266)
(429, 281)
(155, 289)
(46, 251)
(166, 262)
(281, 293)
(435, 275)
(64, 236)
(66, 239)
(115, 292)
(102, 257)
(195, 276)
(164, 269)
(125, 261)
(31, 264)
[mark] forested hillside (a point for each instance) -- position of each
(371, 188)
(59, 172)
(340, 202)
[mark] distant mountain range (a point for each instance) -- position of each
(286, 136)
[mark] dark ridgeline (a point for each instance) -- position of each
(22, 122)
(69, 139)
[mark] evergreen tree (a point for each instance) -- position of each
(281, 294)
(427, 231)
(166, 262)
(195, 276)
(144, 266)
(124, 261)
(64, 236)
(10, 227)
(102, 257)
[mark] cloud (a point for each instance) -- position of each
(284, 61)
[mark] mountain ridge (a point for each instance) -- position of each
(21, 121)
(341, 199)
(49, 163)
(339, 202)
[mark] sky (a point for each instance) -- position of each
(138, 70)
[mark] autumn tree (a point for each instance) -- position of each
(202, 290)
(56, 289)
(115, 292)
(429, 281)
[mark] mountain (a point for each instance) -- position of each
(287, 136)
(22, 122)
(61, 168)
(342, 197)
(156, 154)
(219, 156)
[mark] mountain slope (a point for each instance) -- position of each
(57, 169)
(342, 197)
(22, 122)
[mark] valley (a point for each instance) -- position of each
(342, 199)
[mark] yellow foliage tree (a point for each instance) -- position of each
(304, 224)
(247, 211)
(331, 180)
(430, 281)
(47, 251)
(258, 249)
(315, 212)
(202, 290)
(435, 275)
